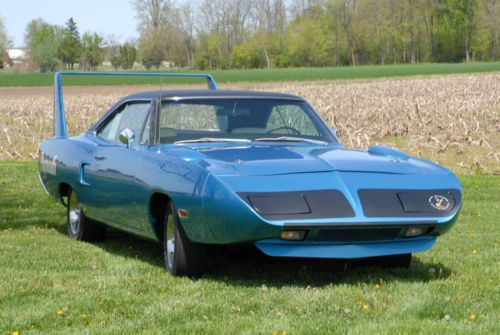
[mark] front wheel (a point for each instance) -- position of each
(79, 226)
(182, 257)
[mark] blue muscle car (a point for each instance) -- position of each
(196, 168)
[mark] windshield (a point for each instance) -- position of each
(212, 120)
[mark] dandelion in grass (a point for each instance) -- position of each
(474, 251)
(472, 317)
(365, 307)
(15, 332)
(60, 312)
(377, 286)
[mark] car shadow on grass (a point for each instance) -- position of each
(246, 266)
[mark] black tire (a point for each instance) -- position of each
(395, 261)
(182, 257)
(80, 227)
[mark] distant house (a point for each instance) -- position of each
(168, 64)
(14, 58)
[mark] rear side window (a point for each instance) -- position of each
(130, 115)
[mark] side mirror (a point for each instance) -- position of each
(126, 137)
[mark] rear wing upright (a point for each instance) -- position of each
(60, 130)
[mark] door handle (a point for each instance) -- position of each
(99, 158)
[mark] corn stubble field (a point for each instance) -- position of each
(452, 119)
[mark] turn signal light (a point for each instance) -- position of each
(183, 214)
(293, 235)
(414, 232)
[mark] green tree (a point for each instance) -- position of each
(116, 61)
(71, 46)
(5, 41)
(307, 42)
(31, 29)
(249, 54)
(464, 14)
(128, 54)
(43, 47)
(93, 51)
(152, 48)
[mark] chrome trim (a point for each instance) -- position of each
(209, 97)
(41, 182)
(358, 224)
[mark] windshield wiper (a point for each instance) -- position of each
(213, 140)
(289, 139)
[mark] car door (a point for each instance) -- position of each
(112, 172)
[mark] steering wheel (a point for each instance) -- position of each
(293, 130)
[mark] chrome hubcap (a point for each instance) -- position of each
(170, 238)
(74, 214)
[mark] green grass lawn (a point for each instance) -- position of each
(258, 75)
(51, 284)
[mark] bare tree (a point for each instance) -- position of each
(152, 14)
(491, 13)
(187, 28)
(346, 12)
(159, 28)
(229, 20)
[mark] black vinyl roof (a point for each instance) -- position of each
(186, 94)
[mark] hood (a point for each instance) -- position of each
(271, 159)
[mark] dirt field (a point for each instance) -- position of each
(452, 119)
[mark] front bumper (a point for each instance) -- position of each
(280, 248)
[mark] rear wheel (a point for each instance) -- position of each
(80, 227)
(182, 257)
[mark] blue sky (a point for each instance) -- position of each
(105, 17)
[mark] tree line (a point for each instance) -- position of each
(279, 33)
(224, 34)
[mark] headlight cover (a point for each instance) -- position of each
(299, 205)
(409, 203)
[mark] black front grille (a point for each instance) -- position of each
(357, 234)
(407, 203)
